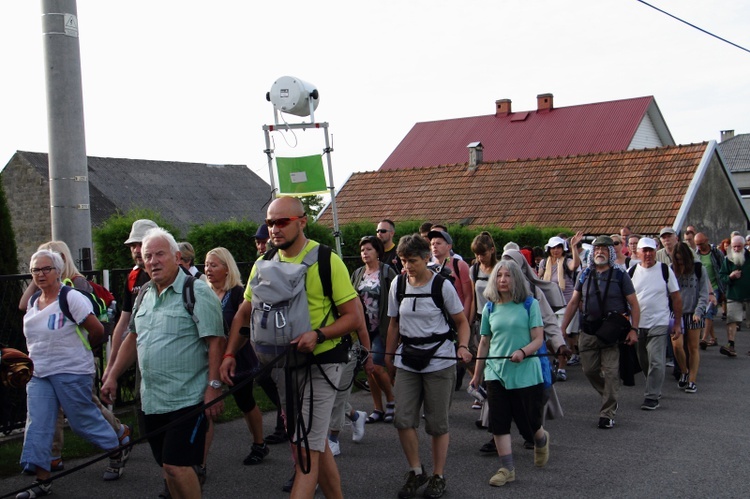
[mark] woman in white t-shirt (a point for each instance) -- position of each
(418, 324)
(63, 373)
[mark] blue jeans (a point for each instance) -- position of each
(73, 393)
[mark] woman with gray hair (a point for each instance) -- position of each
(63, 373)
(424, 368)
(512, 332)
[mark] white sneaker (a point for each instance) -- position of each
(335, 449)
(358, 426)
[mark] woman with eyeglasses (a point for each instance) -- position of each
(694, 286)
(63, 374)
(73, 278)
(372, 282)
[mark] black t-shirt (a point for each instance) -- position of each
(129, 296)
(392, 259)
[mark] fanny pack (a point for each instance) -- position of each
(419, 358)
(610, 329)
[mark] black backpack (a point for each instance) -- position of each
(436, 293)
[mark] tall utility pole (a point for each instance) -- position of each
(68, 168)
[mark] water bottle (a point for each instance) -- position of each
(112, 311)
(478, 393)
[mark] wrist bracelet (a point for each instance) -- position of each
(228, 356)
(462, 346)
(634, 329)
(523, 352)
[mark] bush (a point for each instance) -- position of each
(109, 237)
(236, 236)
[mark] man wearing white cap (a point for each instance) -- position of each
(654, 295)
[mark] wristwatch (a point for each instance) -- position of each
(214, 383)
(321, 336)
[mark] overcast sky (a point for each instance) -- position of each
(186, 80)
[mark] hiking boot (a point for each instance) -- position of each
(413, 482)
(649, 404)
(683, 382)
(358, 426)
(257, 453)
(728, 350)
(691, 388)
(606, 423)
(541, 454)
(502, 477)
(115, 469)
(436, 487)
(37, 489)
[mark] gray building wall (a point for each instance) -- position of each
(716, 211)
(27, 193)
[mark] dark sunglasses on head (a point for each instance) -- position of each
(382, 231)
(282, 222)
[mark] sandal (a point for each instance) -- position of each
(390, 409)
(375, 417)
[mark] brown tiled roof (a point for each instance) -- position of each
(596, 193)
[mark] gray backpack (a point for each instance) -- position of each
(280, 309)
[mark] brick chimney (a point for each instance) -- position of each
(544, 102)
(475, 154)
(502, 107)
(726, 134)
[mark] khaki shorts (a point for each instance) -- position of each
(735, 311)
(323, 397)
(435, 389)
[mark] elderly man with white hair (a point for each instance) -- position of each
(735, 274)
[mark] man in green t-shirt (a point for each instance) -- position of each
(286, 223)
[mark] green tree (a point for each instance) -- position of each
(312, 204)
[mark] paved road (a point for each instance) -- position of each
(694, 445)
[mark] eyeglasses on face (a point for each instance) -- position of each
(382, 231)
(616, 243)
(282, 222)
(42, 270)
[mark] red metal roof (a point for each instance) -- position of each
(563, 131)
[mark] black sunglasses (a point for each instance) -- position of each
(382, 231)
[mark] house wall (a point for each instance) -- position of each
(716, 211)
(742, 179)
(646, 135)
(27, 193)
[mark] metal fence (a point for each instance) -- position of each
(13, 402)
